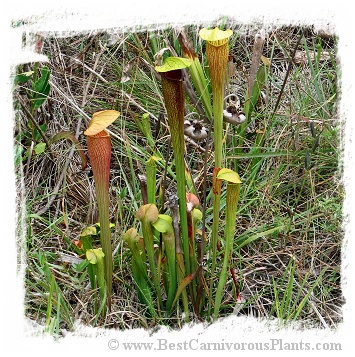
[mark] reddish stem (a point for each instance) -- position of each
(99, 151)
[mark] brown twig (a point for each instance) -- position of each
(290, 60)
(255, 61)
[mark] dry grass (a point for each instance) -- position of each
(85, 77)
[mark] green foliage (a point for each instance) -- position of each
(22, 78)
(40, 148)
(289, 204)
(96, 258)
(37, 95)
(45, 283)
(291, 301)
(40, 89)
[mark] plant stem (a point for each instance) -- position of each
(180, 266)
(217, 59)
(151, 171)
(164, 226)
(147, 215)
(139, 270)
(99, 150)
(232, 198)
(173, 93)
